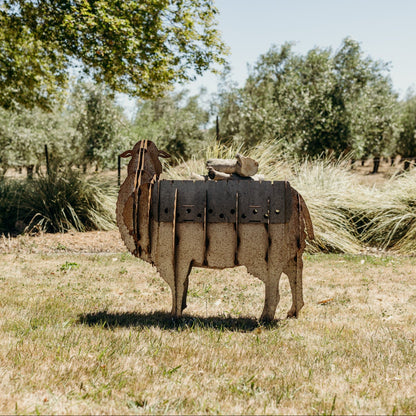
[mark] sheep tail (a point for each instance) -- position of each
(306, 218)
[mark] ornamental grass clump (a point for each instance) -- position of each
(334, 201)
(64, 201)
(58, 202)
(11, 192)
(391, 215)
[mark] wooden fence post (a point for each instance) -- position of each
(47, 159)
(118, 170)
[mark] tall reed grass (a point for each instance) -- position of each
(347, 216)
(55, 203)
(391, 215)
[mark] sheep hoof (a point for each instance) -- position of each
(292, 313)
(266, 319)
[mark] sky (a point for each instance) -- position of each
(385, 29)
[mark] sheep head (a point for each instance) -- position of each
(145, 157)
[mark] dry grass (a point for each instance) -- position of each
(392, 214)
(90, 334)
(350, 208)
(329, 188)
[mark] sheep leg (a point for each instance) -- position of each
(179, 287)
(294, 273)
(180, 291)
(185, 293)
(272, 296)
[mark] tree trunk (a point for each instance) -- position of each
(376, 164)
(29, 171)
(407, 164)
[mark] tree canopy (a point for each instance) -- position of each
(406, 143)
(321, 101)
(138, 47)
(176, 123)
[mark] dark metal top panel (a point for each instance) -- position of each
(280, 208)
(225, 201)
(253, 202)
(222, 201)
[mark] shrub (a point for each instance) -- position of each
(11, 192)
(56, 203)
(391, 215)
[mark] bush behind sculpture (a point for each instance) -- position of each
(58, 202)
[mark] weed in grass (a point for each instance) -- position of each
(125, 257)
(168, 372)
(136, 404)
(68, 266)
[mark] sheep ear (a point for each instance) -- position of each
(127, 153)
(162, 153)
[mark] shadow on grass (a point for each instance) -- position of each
(164, 320)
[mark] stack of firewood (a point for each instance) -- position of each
(239, 168)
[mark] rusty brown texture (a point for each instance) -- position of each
(177, 225)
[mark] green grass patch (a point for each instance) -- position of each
(79, 337)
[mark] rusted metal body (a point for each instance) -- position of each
(177, 225)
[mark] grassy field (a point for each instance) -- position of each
(84, 329)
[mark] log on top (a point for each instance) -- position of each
(241, 165)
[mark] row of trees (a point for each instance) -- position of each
(341, 102)
(90, 129)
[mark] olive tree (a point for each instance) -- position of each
(322, 101)
(175, 123)
(138, 47)
(406, 142)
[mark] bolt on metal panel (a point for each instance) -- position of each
(221, 201)
(280, 202)
(253, 202)
(191, 201)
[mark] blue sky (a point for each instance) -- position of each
(386, 30)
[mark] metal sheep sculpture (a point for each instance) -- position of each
(177, 225)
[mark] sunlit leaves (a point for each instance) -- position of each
(138, 47)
